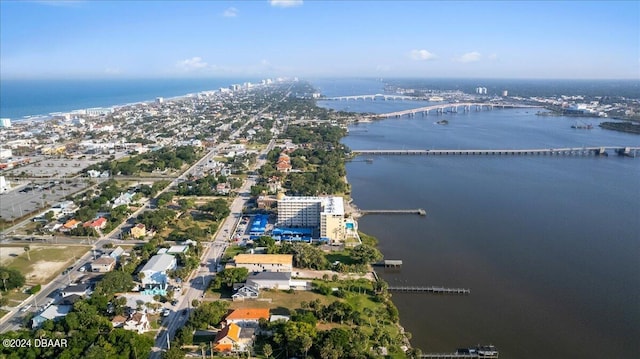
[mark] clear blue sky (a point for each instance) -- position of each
(480, 39)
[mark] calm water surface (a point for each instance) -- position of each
(549, 246)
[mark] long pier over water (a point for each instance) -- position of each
(567, 151)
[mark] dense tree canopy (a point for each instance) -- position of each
(11, 278)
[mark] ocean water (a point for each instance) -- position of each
(549, 246)
(20, 98)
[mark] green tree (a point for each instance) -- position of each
(174, 353)
(115, 282)
(218, 208)
(229, 276)
(12, 279)
(365, 254)
(208, 314)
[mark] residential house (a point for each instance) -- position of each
(137, 322)
(223, 188)
(54, 312)
(228, 339)
(70, 224)
(65, 208)
(124, 199)
(264, 262)
(269, 280)
(118, 321)
(155, 278)
(246, 292)
(98, 223)
(177, 249)
(103, 264)
(138, 231)
(247, 317)
(83, 290)
(284, 163)
(116, 253)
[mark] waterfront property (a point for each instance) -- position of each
(326, 214)
(264, 262)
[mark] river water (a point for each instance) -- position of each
(549, 246)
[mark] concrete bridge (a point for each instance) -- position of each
(451, 108)
(568, 151)
(376, 97)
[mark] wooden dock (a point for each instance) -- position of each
(390, 263)
(455, 356)
(433, 290)
(418, 211)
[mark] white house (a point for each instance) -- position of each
(54, 312)
(154, 274)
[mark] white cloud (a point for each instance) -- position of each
(230, 12)
(469, 57)
(421, 55)
(493, 57)
(192, 64)
(285, 3)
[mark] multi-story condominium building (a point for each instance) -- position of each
(323, 213)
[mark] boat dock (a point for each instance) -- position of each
(390, 263)
(455, 356)
(424, 289)
(418, 211)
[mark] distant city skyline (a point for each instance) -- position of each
(182, 39)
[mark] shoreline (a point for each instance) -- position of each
(34, 117)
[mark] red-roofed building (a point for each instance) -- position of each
(247, 317)
(98, 223)
(227, 338)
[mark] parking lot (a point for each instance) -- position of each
(28, 196)
(45, 167)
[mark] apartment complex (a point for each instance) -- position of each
(326, 214)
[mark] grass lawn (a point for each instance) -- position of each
(15, 297)
(232, 251)
(3, 313)
(341, 256)
(46, 261)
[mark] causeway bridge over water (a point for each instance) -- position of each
(567, 151)
(376, 97)
(451, 108)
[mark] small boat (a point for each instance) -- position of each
(443, 122)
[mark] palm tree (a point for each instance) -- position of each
(27, 249)
(4, 276)
(267, 350)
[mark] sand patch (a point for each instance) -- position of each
(42, 270)
(8, 254)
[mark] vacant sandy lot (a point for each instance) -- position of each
(46, 261)
(7, 254)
